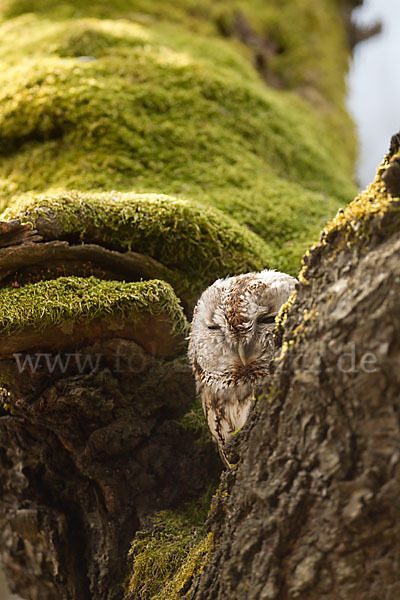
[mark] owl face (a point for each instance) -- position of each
(231, 342)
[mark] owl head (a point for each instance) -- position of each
(231, 342)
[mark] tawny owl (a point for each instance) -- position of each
(231, 345)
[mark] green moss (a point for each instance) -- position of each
(183, 112)
(202, 243)
(215, 172)
(320, 63)
(165, 558)
(193, 420)
(47, 303)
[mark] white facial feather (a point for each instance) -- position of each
(231, 345)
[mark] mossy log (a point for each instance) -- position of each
(13, 233)
(146, 148)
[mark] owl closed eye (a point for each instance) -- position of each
(231, 345)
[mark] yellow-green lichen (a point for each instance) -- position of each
(40, 305)
(283, 312)
(372, 202)
(5, 405)
(4, 377)
(352, 226)
(352, 223)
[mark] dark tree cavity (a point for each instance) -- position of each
(94, 437)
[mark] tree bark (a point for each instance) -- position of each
(312, 509)
(86, 457)
(98, 423)
(91, 433)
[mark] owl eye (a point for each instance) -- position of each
(266, 319)
(214, 327)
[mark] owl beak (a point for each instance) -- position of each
(242, 353)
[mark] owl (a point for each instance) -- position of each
(231, 345)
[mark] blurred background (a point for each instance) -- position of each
(373, 99)
(374, 85)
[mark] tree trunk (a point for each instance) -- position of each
(219, 129)
(312, 509)
(87, 455)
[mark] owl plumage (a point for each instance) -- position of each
(231, 345)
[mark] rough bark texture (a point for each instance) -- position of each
(91, 441)
(97, 426)
(311, 510)
(86, 456)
